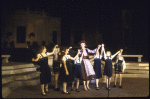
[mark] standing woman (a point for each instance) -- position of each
(86, 67)
(66, 71)
(56, 65)
(45, 75)
(119, 68)
(108, 66)
(97, 66)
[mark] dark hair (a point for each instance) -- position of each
(41, 48)
(62, 54)
(82, 41)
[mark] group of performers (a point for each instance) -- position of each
(81, 69)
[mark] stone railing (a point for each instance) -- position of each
(5, 58)
(139, 56)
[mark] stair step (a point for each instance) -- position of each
(14, 63)
(136, 75)
(137, 67)
(21, 76)
(9, 87)
(17, 71)
(138, 64)
(12, 67)
(138, 71)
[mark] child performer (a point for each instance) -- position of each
(119, 68)
(108, 66)
(45, 75)
(97, 65)
(66, 72)
(77, 72)
(56, 65)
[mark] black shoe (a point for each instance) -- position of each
(114, 86)
(71, 89)
(56, 89)
(65, 92)
(108, 88)
(77, 90)
(120, 86)
(43, 94)
(46, 91)
(97, 88)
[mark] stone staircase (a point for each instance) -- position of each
(16, 74)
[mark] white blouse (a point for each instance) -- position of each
(97, 56)
(66, 57)
(77, 61)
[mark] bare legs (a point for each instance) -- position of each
(64, 87)
(72, 86)
(46, 87)
(97, 81)
(115, 79)
(77, 83)
(120, 79)
(107, 81)
(88, 81)
(56, 80)
(42, 88)
(86, 85)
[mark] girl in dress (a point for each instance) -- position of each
(108, 66)
(86, 67)
(45, 75)
(66, 71)
(97, 66)
(77, 72)
(119, 68)
(56, 65)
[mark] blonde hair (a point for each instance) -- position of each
(108, 52)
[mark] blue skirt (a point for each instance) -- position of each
(108, 67)
(97, 68)
(77, 71)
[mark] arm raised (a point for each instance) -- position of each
(50, 53)
(38, 57)
(73, 58)
(115, 54)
